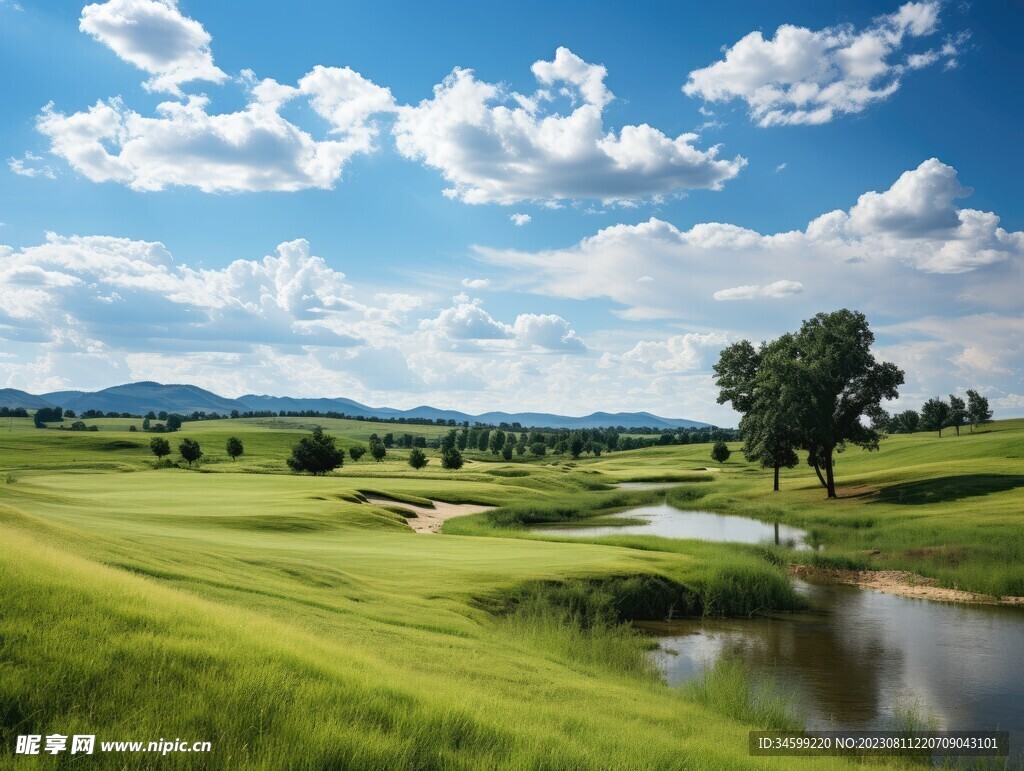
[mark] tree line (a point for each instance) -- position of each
(937, 414)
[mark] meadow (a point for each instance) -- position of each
(294, 625)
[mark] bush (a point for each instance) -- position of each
(417, 459)
(720, 452)
(451, 459)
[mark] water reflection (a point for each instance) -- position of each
(669, 522)
(868, 656)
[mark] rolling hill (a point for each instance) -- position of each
(140, 398)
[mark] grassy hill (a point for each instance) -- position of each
(292, 625)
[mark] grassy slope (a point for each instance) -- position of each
(291, 626)
(950, 508)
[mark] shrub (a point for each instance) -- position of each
(417, 459)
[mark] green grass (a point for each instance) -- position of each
(293, 625)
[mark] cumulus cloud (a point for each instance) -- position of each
(466, 326)
(675, 354)
(520, 219)
(157, 38)
(476, 283)
(252, 149)
(93, 284)
(497, 146)
(186, 142)
(911, 231)
(803, 76)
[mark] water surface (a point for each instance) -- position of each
(670, 522)
(868, 655)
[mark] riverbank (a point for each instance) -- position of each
(899, 582)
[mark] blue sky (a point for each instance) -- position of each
(689, 176)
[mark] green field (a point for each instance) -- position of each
(294, 626)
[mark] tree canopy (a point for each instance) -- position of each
(234, 447)
(190, 451)
(808, 390)
(316, 454)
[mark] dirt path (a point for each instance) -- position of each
(900, 582)
(429, 520)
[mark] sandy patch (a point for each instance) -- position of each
(429, 520)
(900, 582)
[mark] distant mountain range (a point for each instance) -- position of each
(140, 398)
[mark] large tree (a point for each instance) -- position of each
(316, 454)
(811, 389)
(935, 415)
(978, 411)
(957, 412)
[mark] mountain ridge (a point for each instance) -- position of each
(144, 396)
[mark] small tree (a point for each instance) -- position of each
(378, 450)
(173, 422)
(418, 459)
(576, 446)
(451, 459)
(935, 415)
(145, 424)
(538, 448)
(158, 446)
(509, 447)
(957, 412)
(316, 454)
(497, 441)
(234, 447)
(190, 452)
(720, 452)
(356, 451)
(978, 411)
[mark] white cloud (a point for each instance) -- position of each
(476, 283)
(497, 146)
(31, 165)
(520, 219)
(885, 246)
(94, 284)
(466, 327)
(803, 76)
(780, 167)
(776, 289)
(252, 149)
(157, 38)
(675, 354)
(186, 143)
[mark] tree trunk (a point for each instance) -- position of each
(958, 430)
(776, 533)
(776, 479)
(940, 433)
(820, 477)
(829, 476)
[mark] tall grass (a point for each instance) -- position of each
(734, 690)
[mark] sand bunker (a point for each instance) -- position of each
(429, 520)
(900, 582)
